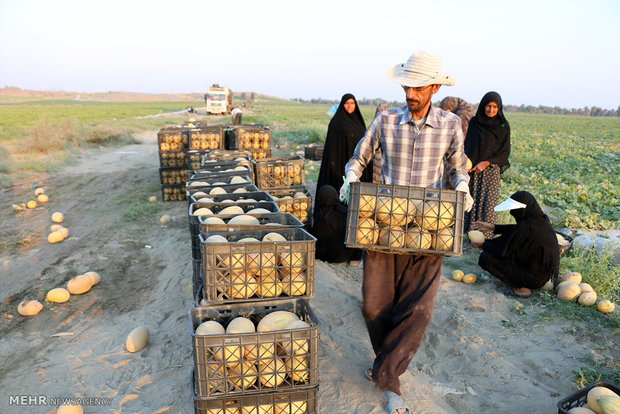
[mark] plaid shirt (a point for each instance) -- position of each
(410, 158)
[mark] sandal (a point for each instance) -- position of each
(368, 373)
(354, 263)
(394, 402)
(512, 294)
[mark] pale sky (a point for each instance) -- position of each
(536, 52)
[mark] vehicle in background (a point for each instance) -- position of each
(218, 100)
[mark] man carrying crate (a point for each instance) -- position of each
(399, 291)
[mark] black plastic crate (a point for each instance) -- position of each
(225, 155)
(219, 179)
(221, 170)
(297, 205)
(255, 363)
(172, 159)
(266, 220)
(314, 152)
(194, 226)
(172, 139)
(249, 137)
(172, 176)
(579, 398)
(248, 271)
(197, 192)
(405, 220)
(194, 159)
(283, 402)
(173, 193)
(206, 138)
(196, 277)
(278, 172)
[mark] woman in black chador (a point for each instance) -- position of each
(525, 255)
(487, 145)
(345, 130)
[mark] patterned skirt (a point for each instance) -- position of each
(484, 189)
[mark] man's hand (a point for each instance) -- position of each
(469, 202)
(344, 190)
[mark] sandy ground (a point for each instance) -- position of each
(480, 354)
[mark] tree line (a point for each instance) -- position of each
(530, 109)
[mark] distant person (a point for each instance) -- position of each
(236, 115)
(460, 108)
(526, 254)
(345, 129)
(487, 145)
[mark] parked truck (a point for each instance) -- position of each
(218, 99)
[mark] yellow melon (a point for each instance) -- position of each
(291, 260)
(232, 210)
(210, 328)
(58, 217)
(272, 373)
(79, 284)
(605, 306)
(392, 237)
(392, 211)
(585, 287)
(165, 219)
(547, 286)
(244, 219)
(243, 375)
(269, 286)
(137, 339)
(38, 191)
(42, 198)
(202, 211)
(258, 210)
(29, 307)
(152, 199)
(593, 398)
(70, 409)
(457, 275)
(55, 237)
(31, 204)
(569, 291)
(94, 277)
(367, 206)
(417, 238)
(243, 285)
(64, 232)
(476, 236)
(298, 368)
(217, 190)
(367, 231)
(436, 215)
(294, 284)
(238, 180)
(213, 220)
(469, 278)
(259, 409)
(276, 321)
(274, 237)
(444, 239)
(587, 298)
(58, 295)
(573, 277)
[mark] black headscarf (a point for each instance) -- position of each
(344, 132)
(531, 244)
(488, 139)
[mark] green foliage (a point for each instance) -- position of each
(607, 370)
(596, 269)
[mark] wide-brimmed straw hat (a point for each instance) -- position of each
(509, 204)
(421, 69)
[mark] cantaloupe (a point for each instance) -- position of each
(38, 191)
(94, 277)
(585, 287)
(573, 277)
(204, 200)
(569, 292)
(19, 207)
(276, 321)
(269, 285)
(258, 210)
(417, 238)
(476, 236)
(70, 409)
(260, 409)
(291, 260)
(435, 215)
(238, 180)
(202, 211)
(272, 373)
(243, 285)
(605, 306)
(367, 206)
(392, 211)
(580, 410)
(444, 239)
(564, 283)
(610, 404)
(243, 375)
(79, 284)
(298, 368)
(547, 286)
(213, 220)
(469, 278)
(55, 237)
(240, 325)
(457, 275)
(240, 190)
(198, 184)
(469, 165)
(58, 295)
(587, 298)
(198, 194)
(42, 198)
(217, 190)
(64, 232)
(29, 307)
(58, 217)
(245, 220)
(210, 328)
(291, 346)
(232, 210)
(392, 236)
(216, 238)
(165, 219)
(274, 237)
(593, 398)
(31, 204)
(152, 199)
(367, 231)
(294, 284)
(137, 339)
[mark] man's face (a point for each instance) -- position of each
(418, 99)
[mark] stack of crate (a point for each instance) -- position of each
(253, 261)
(285, 179)
(172, 145)
(254, 138)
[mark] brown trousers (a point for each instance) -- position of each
(399, 296)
